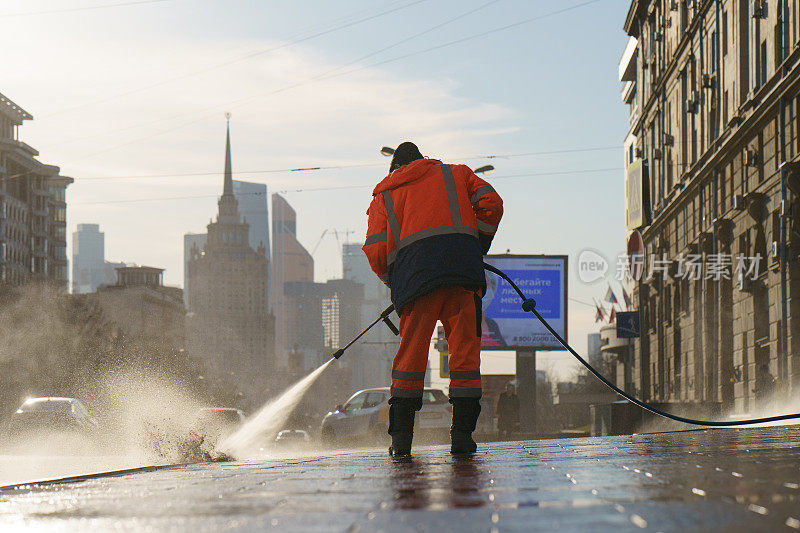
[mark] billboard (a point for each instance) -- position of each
(505, 326)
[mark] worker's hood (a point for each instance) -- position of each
(406, 174)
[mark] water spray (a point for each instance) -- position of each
(271, 417)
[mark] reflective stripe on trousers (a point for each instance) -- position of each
(459, 312)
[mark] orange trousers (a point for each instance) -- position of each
(459, 310)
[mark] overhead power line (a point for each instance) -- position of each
(337, 167)
(469, 37)
(249, 55)
(340, 187)
(494, 178)
(311, 79)
(331, 73)
(83, 8)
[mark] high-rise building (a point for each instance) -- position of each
(90, 270)
(88, 256)
(229, 323)
(713, 201)
(382, 344)
(291, 262)
(252, 198)
(593, 351)
(191, 241)
(33, 208)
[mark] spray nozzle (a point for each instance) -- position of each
(338, 353)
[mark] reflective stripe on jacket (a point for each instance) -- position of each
(429, 226)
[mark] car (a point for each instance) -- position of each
(364, 417)
(216, 423)
(53, 415)
(292, 438)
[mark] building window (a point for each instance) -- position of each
(684, 295)
(684, 15)
(713, 51)
(724, 33)
(670, 166)
(725, 108)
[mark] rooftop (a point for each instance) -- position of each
(12, 110)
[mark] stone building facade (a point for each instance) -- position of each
(33, 208)
(143, 307)
(714, 94)
(229, 324)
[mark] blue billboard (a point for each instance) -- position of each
(504, 325)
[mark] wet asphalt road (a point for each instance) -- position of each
(715, 480)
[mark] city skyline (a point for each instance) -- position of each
(164, 119)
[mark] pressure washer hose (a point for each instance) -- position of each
(529, 304)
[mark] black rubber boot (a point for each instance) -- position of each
(465, 418)
(401, 425)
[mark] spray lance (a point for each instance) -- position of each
(529, 306)
(383, 317)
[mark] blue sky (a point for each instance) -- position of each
(141, 89)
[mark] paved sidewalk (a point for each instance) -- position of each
(714, 480)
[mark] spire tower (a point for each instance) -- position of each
(228, 206)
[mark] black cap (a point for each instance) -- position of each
(404, 154)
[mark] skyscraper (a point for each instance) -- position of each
(372, 371)
(88, 256)
(190, 241)
(229, 323)
(291, 262)
(252, 198)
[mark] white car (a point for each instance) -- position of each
(365, 417)
(52, 414)
(292, 438)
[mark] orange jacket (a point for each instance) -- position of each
(429, 226)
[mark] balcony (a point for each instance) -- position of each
(25, 148)
(609, 341)
(627, 64)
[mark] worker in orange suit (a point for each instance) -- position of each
(430, 224)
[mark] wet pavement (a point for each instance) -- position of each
(711, 480)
